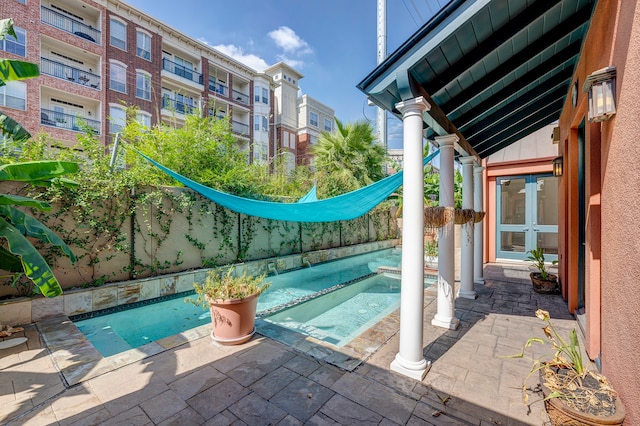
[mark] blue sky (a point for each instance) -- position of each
(331, 42)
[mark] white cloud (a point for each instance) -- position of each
(286, 39)
(238, 53)
(295, 63)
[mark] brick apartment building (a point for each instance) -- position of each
(97, 56)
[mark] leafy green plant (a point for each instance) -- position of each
(431, 249)
(226, 285)
(536, 257)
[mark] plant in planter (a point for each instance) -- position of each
(232, 300)
(542, 281)
(431, 253)
(573, 394)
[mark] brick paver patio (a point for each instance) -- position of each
(265, 382)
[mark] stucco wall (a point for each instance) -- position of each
(612, 202)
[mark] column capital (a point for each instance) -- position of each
(446, 140)
(467, 160)
(478, 169)
(419, 104)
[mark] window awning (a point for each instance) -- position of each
(493, 71)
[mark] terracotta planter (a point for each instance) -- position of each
(550, 285)
(233, 321)
(561, 414)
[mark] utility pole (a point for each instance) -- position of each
(382, 54)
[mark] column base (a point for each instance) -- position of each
(467, 294)
(414, 370)
(450, 323)
(478, 280)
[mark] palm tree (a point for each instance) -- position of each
(348, 158)
(18, 256)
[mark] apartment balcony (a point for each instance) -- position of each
(218, 88)
(72, 26)
(65, 72)
(240, 128)
(177, 106)
(174, 69)
(240, 97)
(53, 118)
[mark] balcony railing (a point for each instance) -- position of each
(66, 121)
(181, 70)
(177, 106)
(240, 128)
(65, 72)
(241, 97)
(218, 88)
(69, 25)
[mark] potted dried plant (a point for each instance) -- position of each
(232, 300)
(573, 394)
(542, 281)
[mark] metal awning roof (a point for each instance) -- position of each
(493, 71)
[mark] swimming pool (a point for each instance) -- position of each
(133, 326)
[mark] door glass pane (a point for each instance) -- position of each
(513, 241)
(512, 198)
(548, 241)
(547, 190)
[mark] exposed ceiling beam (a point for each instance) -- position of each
(516, 117)
(542, 118)
(435, 118)
(510, 65)
(560, 59)
(491, 43)
(549, 89)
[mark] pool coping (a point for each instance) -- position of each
(78, 360)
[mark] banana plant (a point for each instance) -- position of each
(17, 253)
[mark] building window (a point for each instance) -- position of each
(143, 48)
(292, 140)
(265, 96)
(143, 85)
(16, 45)
(117, 119)
(118, 34)
(22, 1)
(328, 125)
(14, 95)
(313, 119)
(118, 78)
(260, 123)
(144, 119)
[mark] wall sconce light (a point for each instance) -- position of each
(557, 166)
(601, 87)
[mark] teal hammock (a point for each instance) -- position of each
(342, 207)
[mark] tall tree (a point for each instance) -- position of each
(348, 158)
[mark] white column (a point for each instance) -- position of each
(409, 360)
(478, 258)
(446, 314)
(468, 229)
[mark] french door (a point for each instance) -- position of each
(527, 216)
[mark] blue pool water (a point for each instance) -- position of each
(339, 315)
